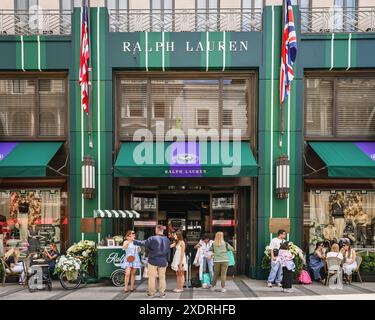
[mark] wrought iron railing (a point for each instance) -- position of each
(185, 20)
(338, 19)
(35, 22)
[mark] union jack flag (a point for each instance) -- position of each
(84, 58)
(288, 51)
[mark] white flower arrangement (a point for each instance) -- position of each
(68, 264)
(85, 250)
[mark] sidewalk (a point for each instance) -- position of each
(239, 287)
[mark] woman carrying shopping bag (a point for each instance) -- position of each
(222, 260)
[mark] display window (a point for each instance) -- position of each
(335, 214)
(30, 219)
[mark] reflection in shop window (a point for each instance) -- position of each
(336, 214)
(30, 219)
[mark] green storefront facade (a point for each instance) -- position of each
(231, 52)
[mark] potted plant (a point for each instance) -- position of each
(367, 268)
(299, 259)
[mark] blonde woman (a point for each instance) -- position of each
(11, 258)
(221, 260)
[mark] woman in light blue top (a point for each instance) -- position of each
(131, 261)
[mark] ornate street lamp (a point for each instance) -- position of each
(282, 177)
(88, 177)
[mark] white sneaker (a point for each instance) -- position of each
(279, 285)
(223, 290)
(288, 290)
(269, 284)
(213, 289)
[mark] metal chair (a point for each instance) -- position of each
(333, 267)
(356, 272)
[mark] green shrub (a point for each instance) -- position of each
(368, 263)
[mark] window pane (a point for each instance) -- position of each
(352, 220)
(17, 108)
(318, 108)
(52, 99)
(66, 4)
(201, 4)
(235, 102)
(356, 107)
(156, 4)
(133, 106)
(123, 4)
(180, 103)
(111, 4)
(44, 217)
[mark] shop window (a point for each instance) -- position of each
(31, 219)
(340, 107)
(190, 103)
(133, 102)
(235, 104)
(22, 99)
(333, 214)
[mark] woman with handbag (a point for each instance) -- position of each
(131, 261)
(220, 253)
(179, 261)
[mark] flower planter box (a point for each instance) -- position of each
(366, 276)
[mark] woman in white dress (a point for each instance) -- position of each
(179, 261)
(350, 263)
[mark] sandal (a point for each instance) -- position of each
(126, 291)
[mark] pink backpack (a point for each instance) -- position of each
(304, 277)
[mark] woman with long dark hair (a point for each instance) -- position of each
(131, 261)
(179, 260)
(317, 261)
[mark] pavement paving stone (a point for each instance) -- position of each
(239, 287)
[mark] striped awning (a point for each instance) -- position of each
(132, 214)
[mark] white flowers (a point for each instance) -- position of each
(68, 264)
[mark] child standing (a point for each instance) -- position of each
(285, 257)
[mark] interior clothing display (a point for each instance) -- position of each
(337, 210)
(33, 238)
(23, 207)
(330, 232)
(339, 225)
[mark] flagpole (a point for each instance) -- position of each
(281, 115)
(89, 120)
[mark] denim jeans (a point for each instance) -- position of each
(276, 273)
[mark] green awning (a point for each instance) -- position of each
(347, 159)
(26, 159)
(185, 159)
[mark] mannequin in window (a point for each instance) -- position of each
(329, 232)
(361, 220)
(338, 214)
(34, 235)
(23, 217)
(350, 229)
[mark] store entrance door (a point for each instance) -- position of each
(187, 212)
